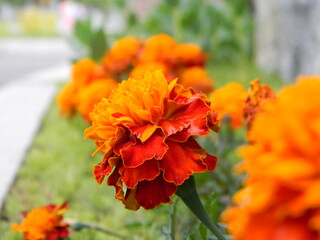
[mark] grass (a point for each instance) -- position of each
(243, 72)
(58, 168)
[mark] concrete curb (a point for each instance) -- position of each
(22, 106)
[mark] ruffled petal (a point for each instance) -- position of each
(152, 193)
(115, 180)
(180, 162)
(135, 154)
(149, 170)
(143, 132)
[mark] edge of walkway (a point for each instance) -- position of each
(23, 103)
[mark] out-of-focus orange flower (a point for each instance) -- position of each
(66, 99)
(91, 95)
(84, 73)
(122, 54)
(188, 54)
(281, 198)
(257, 95)
(157, 48)
(44, 223)
(229, 101)
(141, 69)
(146, 131)
(196, 78)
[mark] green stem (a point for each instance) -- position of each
(173, 216)
(77, 226)
(188, 193)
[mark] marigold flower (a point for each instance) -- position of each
(281, 198)
(146, 131)
(84, 72)
(141, 69)
(257, 95)
(229, 101)
(91, 95)
(188, 54)
(44, 223)
(157, 48)
(196, 78)
(122, 54)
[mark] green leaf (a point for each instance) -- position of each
(98, 45)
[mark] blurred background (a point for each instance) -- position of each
(280, 36)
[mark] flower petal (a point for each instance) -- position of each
(152, 193)
(149, 170)
(180, 162)
(135, 154)
(143, 132)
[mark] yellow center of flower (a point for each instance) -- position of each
(135, 98)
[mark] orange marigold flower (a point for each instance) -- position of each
(157, 48)
(229, 101)
(88, 97)
(188, 54)
(281, 198)
(146, 131)
(122, 54)
(66, 99)
(141, 69)
(84, 72)
(196, 78)
(44, 223)
(257, 95)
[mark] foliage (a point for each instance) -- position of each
(224, 28)
(91, 42)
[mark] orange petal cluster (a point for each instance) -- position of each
(281, 199)
(132, 57)
(146, 130)
(183, 61)
(229, 101)
(44, 223)
(257, 95)
(89, 84)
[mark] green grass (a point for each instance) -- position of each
(243, 72)
(58, 168)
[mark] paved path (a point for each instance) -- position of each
(26, 92)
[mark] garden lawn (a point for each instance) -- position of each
(58, 168)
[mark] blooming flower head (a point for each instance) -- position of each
(257, 95)
(146, 131)
(281, 198)
(188, 54)
(84, 72)
(157, 48)
(141, 69)
(122, 54)
(88, 97)
(196, 78)
(44, 223)
(229, 101)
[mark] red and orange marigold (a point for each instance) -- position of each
(44, 223)
(146, 131)
(281, 199)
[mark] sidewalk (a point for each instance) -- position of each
(23, 103)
